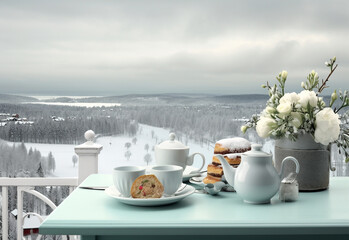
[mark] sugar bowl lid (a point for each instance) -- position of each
(172, 143)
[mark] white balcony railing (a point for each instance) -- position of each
(88, 164)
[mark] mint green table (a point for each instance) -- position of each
(95, 215)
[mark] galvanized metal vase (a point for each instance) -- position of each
(314, 160)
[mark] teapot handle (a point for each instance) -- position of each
(282, 165)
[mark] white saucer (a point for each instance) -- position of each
(112, 192)
(199, 182)
(189, 172)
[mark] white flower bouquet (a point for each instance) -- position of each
(290, 114)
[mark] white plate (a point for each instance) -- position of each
(112, 192)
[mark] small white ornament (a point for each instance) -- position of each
(90, 135)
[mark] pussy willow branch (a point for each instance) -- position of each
(268, 85)
(324, 82)
(342, 106)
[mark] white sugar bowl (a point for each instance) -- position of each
(173, 152)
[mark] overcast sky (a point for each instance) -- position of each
(121, 47)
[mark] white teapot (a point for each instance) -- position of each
(255, 179)
(172, 152)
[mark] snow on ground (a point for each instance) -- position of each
(113, 153)
(62, 153)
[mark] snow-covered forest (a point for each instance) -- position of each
(66, 125)
(18, 161)
(196, 123)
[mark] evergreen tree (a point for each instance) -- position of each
(51, 162)
(40, 171)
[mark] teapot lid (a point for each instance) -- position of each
(172, 143)
(256, 151)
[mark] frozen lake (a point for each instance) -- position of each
(77, 104)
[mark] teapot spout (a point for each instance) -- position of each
(229, 171)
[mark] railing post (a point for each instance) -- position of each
(4, 212)
(88, 156)
(19, 212)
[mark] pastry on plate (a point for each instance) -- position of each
(215, 170)
(211, 179)
(232, 145)
(147, 186)
(231, 149)
(232, 159)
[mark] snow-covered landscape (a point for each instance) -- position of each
(113, 153)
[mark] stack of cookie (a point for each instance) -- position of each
(231, 149)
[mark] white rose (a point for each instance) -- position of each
(264, 126)
(289, 98)
(306, 97)
(284, 109)
(327, 126)
(297, 119)
(269, 109)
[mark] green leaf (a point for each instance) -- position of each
(347, 160)
(309, 110)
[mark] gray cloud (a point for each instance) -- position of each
(117, 47)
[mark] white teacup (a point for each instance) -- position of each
(124, 176)
(170, 176)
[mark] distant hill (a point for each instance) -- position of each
(169, 98)
(61, 99)
(151, 99)
(9, 98)
(243, 98)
